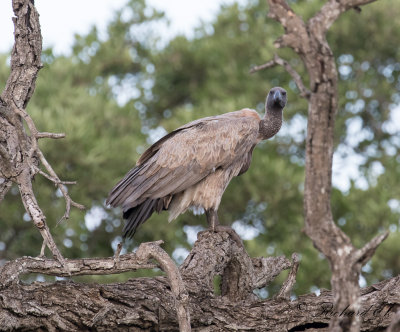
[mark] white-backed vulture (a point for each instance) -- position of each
(193, 165)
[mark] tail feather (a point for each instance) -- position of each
(139, 214)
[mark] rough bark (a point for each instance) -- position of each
(308, 40)
(149, 304)
(19, 152)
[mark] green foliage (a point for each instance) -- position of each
(115, 94)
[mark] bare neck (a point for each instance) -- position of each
(271, 123)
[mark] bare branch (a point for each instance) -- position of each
(269, 64)
(36, 214)
(153, 250)
(304, 92)
(287, 287)
(49, 135)
(47, 176)
(11, 271)
(60, 185)
(364, 254)
(331, 11)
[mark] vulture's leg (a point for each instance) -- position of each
(213, 224)
(212, 219)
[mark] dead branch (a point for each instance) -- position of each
(308, 40)
(331, 11)
(150, 250)
(11, 271)
(287, 287)
(19, 154)
(304, 92)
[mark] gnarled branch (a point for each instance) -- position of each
(308, 40)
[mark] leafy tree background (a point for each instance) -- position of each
(115, 95)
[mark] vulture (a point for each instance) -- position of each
(192, 166)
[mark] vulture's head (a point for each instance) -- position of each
(276, 99)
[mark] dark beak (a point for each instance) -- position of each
(277, 97)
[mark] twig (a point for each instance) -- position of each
(50, 135)
(304, 92)
(287, 287)
(58, 182)
(35, 135)
(153, 250)
(47, 176)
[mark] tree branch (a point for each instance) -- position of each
(11, 271)
(304, 92)
(331, 11)
(295, 28)
(364, 254)
(36, 214)
(287, 287)
(150, 250)
(144, 304)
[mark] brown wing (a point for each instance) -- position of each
(185, 156)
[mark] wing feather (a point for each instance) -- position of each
(186, 156)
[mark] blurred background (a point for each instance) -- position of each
(118, 75)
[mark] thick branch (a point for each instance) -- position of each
(144, 304)
(150, 250)
(295, 28)
(331, 11)
(11, 271)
